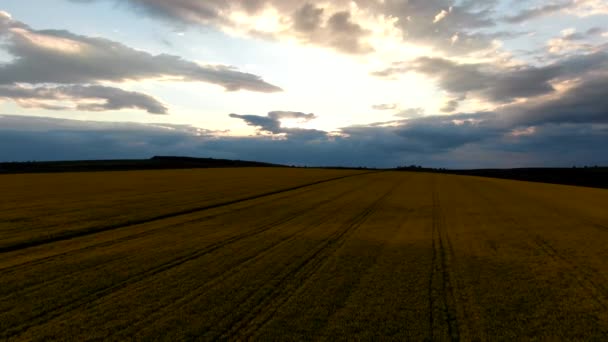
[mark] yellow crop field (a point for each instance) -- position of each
(37, 208)
(299, 254)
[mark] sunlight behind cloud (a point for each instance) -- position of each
(441, 15)
(523, 131)
(64, 45)
(586, 8)
(268, 21)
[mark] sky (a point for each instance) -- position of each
(379, 83)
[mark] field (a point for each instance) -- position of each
(300, 254)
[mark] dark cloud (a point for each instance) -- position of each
(536, 12)
(540, 132)
(187, 11)
(308, 18)
(339, 31)
(584, 103)
(51, 56)
(59, 70)
(574, 36)
(482, 79)
(264, 123)
(346, 34)
(28, 138)
(441, 133)
(272, 123)
(572, 43)
(456, 28)
(565, 144)
(595, 31)
(497, 84)
(451, 105)
(104, 98)
(569, 129)
(435, 23)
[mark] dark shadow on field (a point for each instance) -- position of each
(154, 163)
(593, 177)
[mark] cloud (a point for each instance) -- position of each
(483, 79)
(315, 22)
(343, 25)
(572, 35)
(59, 70)
(536, 12)
(500, 84)
(452, 104)
(586, 102)
(278, 115)
(555, 128)
(188, 11)
(337, 31)
(78, 97)
(407, 113)
(437, 134)
(345, 34)
(572, 42)
(595, 31)
(565, 130)
(580, 8)
(441, 15)
(410, 113)
(272, 123)
(385, 106)
(585, 8)
(308, 18)
(428, 23)
(264, 123)
(552, 112)
(54, 56)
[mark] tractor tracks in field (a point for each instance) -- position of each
(62, 275)
(443, 313)
(47, 315)
(202, 289)
(51, 258)
(265, 304)
(38, 261)
(90, 231)
(132, 236)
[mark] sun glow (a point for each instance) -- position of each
(268, 21)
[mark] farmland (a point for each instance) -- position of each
(300, 254)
